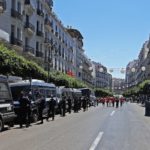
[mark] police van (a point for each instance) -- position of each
(32, 87)
(7, 114)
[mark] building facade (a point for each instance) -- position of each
(102, 78)
(35, 29)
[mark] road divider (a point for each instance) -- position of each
(96, 141)
(112, 113)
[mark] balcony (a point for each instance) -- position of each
(47, 42)
(2, 6)
(17, 43)
(29, 28)
(16, 14)
(29, 49)
(48, 24)
(56, 33)
(29, 7)
(48, 4)
(40, 12)
(39, 54)
(39, 33)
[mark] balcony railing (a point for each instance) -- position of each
(47, 40)
(2, 5)
(40, 12)
(56, 33)
(29, 49)
(39, 33)
(30, 26)
(29, 6)
(16, 41)
(39, 54)
(16, 14)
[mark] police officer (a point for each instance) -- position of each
(84, 103)
(24, 115)
(69, 104)
(41, 106)
(51, 108)
(63, 105)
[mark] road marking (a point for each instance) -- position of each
(112, 113)
(97, 140)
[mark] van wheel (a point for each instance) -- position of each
(35, 117)
(1, 125)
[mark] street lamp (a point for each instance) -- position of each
(101, 69)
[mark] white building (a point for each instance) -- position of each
(34, 28)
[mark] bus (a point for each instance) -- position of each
(7, 114)
(32, 87)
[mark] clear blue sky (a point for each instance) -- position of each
(113, 30)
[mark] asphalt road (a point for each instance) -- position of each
(99, 128)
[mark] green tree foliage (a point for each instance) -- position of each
(102, 92)
(141, 88)
(13, 64)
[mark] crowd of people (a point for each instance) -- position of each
(112, 101)
(67, 104)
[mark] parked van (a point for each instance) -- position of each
(7, 114)
(32, 87)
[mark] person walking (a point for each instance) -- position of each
(117, 102)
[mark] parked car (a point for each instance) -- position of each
(7, 114)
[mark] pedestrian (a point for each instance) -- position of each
(24, 111)
(117, 102)
(51, 108)
(41, 105)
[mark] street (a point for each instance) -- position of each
(99, 128)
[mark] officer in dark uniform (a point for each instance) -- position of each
(84, 103)
(41, 105)
(63, 105)
(69, 104)
(75, 104)
(51, 109)
(24, 111)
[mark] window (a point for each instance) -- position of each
(19, 7)
(18, 33)
(4, 91)
(12, 30)
(13, 3)
(37, 45)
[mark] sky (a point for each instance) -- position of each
(113, 30)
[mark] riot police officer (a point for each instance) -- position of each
(69, 104)
(24, 111)
(51, 108)
(41, 105)
(63, 106)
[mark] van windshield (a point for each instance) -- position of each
(4, 91)
(16, 90)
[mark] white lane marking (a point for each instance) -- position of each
(112, 113)
(96, 141)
